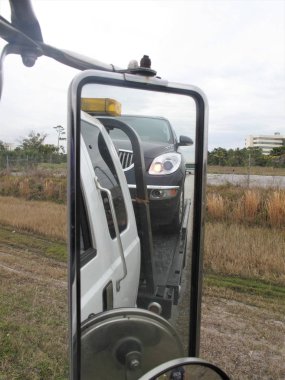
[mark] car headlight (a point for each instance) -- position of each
(165, 164)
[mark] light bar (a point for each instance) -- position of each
(101, 106)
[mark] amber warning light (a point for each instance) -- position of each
(101, 106)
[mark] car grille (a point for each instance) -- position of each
(126, 158)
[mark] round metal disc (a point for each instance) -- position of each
(125, 344)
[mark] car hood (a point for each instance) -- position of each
(150, 149)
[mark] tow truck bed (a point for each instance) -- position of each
(169, 252)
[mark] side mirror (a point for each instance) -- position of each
(185, 141)
(128, 260)
(186, 368)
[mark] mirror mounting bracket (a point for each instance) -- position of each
(143, 71)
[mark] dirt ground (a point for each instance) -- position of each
(247, 341)
(242, 333)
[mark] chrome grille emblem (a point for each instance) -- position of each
(126, 158)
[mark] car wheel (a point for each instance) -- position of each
(177, 219)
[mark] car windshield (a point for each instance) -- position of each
(148, 128)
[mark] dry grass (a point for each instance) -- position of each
(216, 206)
(251, 202)
(257, 207)
(232, 249)
(34, 186)
(275, 207)
(44, 218)
(246, 252)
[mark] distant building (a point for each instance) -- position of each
(9, 146)
(265, 142)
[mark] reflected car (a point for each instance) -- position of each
(164, 164)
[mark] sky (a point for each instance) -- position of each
(233, 50)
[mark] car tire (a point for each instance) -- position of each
(175, 225)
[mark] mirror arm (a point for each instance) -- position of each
(75, 60)
(30, 50)
(24, 19)
(4, 53)
(27, 56)
(116, 226)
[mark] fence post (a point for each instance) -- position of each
(249, 167)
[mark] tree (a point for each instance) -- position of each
(237, 157)
(33, 143)
(60, 132)
(218, 157)
(278, 151)
(2, 146)
(277, 156)
(257, 157)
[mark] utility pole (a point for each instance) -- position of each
(249, 166)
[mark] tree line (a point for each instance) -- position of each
(247, 157)
(32, 150)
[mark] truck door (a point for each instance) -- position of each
(110, 247)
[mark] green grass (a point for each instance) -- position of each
(52, 249)
(248, 291)
(33, 307)
(33, 330)
(246, 285)
(254, 170)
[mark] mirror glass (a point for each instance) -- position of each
(135, 231)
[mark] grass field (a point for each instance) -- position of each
(41, 218)
(244, 274)
(33, 307)
(254, 253)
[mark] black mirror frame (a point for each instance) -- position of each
(168, 366)
(74, 106)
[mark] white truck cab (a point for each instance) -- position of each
(110, 246)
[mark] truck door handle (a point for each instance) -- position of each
(117, 232)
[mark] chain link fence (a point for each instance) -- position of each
(13, 163)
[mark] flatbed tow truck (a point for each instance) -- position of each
(169, 256)
(163, 252)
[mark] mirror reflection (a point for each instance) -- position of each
(136, 218)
